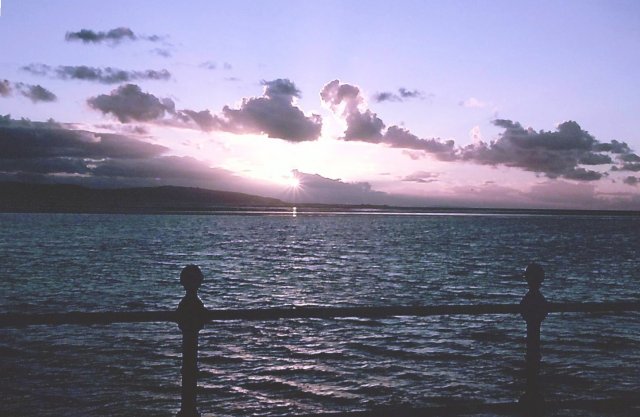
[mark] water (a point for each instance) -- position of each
(68, 262)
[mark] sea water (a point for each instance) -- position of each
(90, 262)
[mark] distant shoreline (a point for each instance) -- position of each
(56, 198)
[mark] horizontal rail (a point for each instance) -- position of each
(106, 317)
(264, 314)
(624, 403)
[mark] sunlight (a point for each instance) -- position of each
(293, 182)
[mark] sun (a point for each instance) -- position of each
(293, 183)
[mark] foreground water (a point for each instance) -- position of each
(67, 262)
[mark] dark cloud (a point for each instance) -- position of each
(404, 93)
(631, 180)
(128, 103)
(204, 119)
(592, 158)
(52, 153)
(49, 152)
(273, 114)
(210, 65)
(554, 153)
(398, 137)
(46, 151)
(35, 93)
(386, 96)
(113, 36)
(163, 52)
(401, 95)
(346, 100)
(364, 125)
(5, 88)
(106, 75)
(21, 140)
(166, 167)
(315, 188)
(422, 177)
(630, 157)
(614, 147)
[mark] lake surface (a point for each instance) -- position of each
(74, 262)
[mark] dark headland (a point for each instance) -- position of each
(53, 198)
(63, 198)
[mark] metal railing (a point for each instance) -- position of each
(191, 316)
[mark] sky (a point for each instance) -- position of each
(527, 104)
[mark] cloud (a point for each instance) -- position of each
(5, 88)
(273, 114)
(365, 126)
(128, 103)
(52, 153)
(627, 167)
(554, 154)
(562, 194)
(107, 75)
(346, 100)
(210, 65)
(163, 52)
(627, 162)
(631, 180)
(28, 140)
(213, 65)
(399, 137)
(473, 103)
(113, 36)
(401, 95)
(422, 177)
(166, 167)
(35, 93)
(568, 152)
(315, 188)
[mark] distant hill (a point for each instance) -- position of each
(23, 197)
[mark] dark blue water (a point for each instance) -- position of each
(66, 262)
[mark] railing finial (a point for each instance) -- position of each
(191, 277)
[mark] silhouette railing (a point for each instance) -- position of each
(191, 316)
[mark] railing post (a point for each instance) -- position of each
(534, 309)
(191, 320)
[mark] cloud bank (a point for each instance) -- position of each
(273, 114)
(107, 75)
(113, 36)
(568, 152)
(52, 153)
